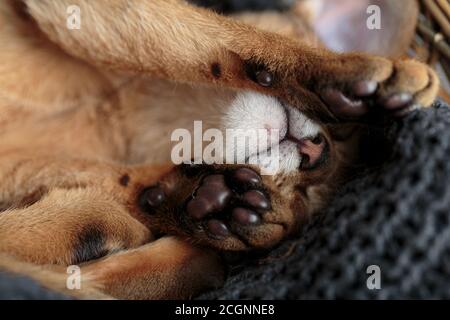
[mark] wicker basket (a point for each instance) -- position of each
(432, 41)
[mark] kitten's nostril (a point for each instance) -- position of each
(317, 140)
(312, 151)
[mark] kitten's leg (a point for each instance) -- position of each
(70, 226)
(142, 36)
(169, 39)
(167, 268)
(29, 175)
(83, 211)
(54, 204)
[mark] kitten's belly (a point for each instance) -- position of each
(159, 108)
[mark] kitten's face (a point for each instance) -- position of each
(301, 142)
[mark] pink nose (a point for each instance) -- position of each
(312, 150)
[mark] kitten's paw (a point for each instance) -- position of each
(397, 87)
(227, 202)
(227, 207)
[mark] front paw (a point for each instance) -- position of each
(394, 88)
(227, 207)
(226, 203)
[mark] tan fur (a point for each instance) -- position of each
(82, 117)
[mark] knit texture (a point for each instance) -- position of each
(396, 217)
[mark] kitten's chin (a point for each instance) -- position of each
(284, 158)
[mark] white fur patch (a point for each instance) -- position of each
(289, 159)
(253, 111)
(300, 126)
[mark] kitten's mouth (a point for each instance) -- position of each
(313, 151)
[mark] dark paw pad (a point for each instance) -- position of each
(151, 198)
(362, 96)
(398, 104)
(342, 105)
(234, 197)
(212, 195)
